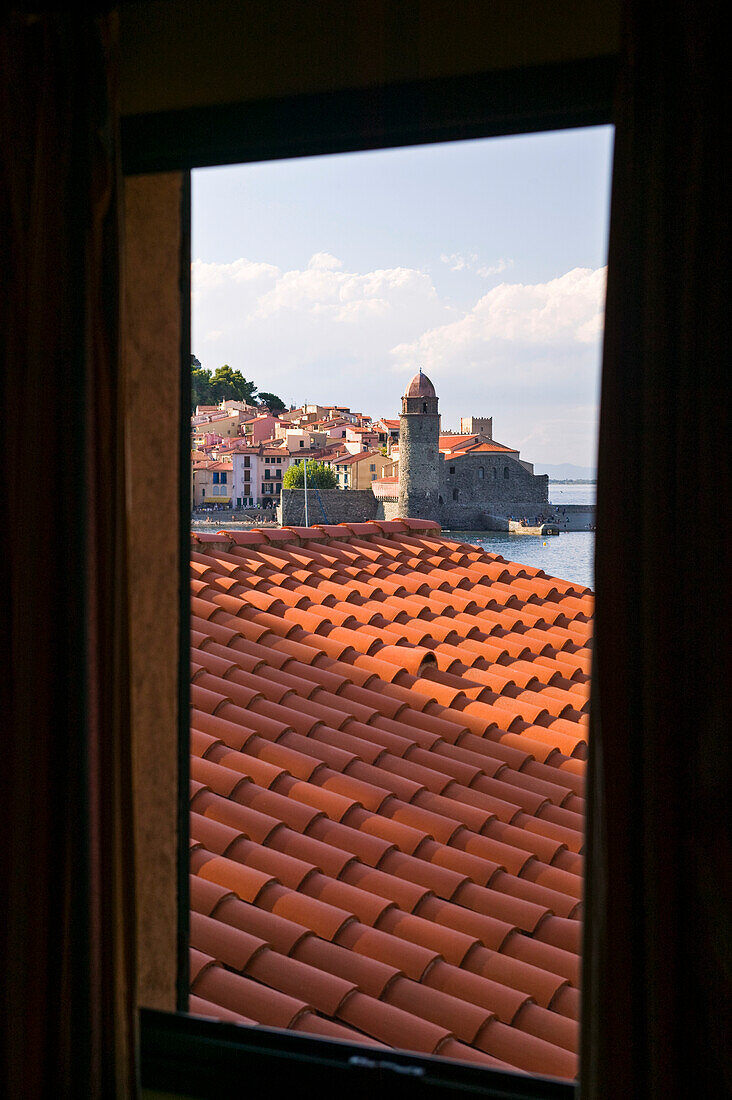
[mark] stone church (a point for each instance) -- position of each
(467, 481)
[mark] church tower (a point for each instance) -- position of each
(419, 433)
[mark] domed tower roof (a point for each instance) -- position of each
(420, 386)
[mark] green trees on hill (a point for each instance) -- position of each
(226, 384)
(320, 476)
(274, 403)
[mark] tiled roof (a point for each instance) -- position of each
(490, 446)
(388, 742)
(470, 444)
(456, 442)
(348, 459)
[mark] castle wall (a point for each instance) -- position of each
(341, 506)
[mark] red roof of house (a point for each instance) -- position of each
(388, 739)
(349, 459)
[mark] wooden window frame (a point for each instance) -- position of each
(180, 1052)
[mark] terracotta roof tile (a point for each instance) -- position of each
(265, 1005)
(387, 768)
(369, 975)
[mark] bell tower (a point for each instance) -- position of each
(419, 433)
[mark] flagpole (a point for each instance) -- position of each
(305, 475)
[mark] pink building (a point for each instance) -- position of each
(258, 474)
(260, 428)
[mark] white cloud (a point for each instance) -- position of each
(494, 269)
(207, 277)
(319, 328)
(459, 261)
(526, 354)
(467, 261)
(529, 356)
(324, 261)
(564, 311)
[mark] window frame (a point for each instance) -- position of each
(177, 1053)
(177, 1049)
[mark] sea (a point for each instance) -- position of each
(569, 556)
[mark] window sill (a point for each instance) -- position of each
(199, 1058)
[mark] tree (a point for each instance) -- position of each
(231, 385)
(225, 385)
(320, 476)
(200, 385)
(274, 403)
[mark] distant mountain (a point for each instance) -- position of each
(565, 471)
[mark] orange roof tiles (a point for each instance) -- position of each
(348, 458)
(456, 442)
(492, 446)
(388, 739)
(471, 444)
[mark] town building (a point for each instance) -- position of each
(301, 438)
(388, 430)
(223, 423)
(361, 439)
(359, 471)
(257, 476)
(212, 483)
(260, 428)
(465, 481)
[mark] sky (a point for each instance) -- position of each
(332, 279)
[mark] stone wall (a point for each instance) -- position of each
(387, 509)
(419, 458)
(487, 517)
(341, 506)
(491, 482)
(483, 504)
